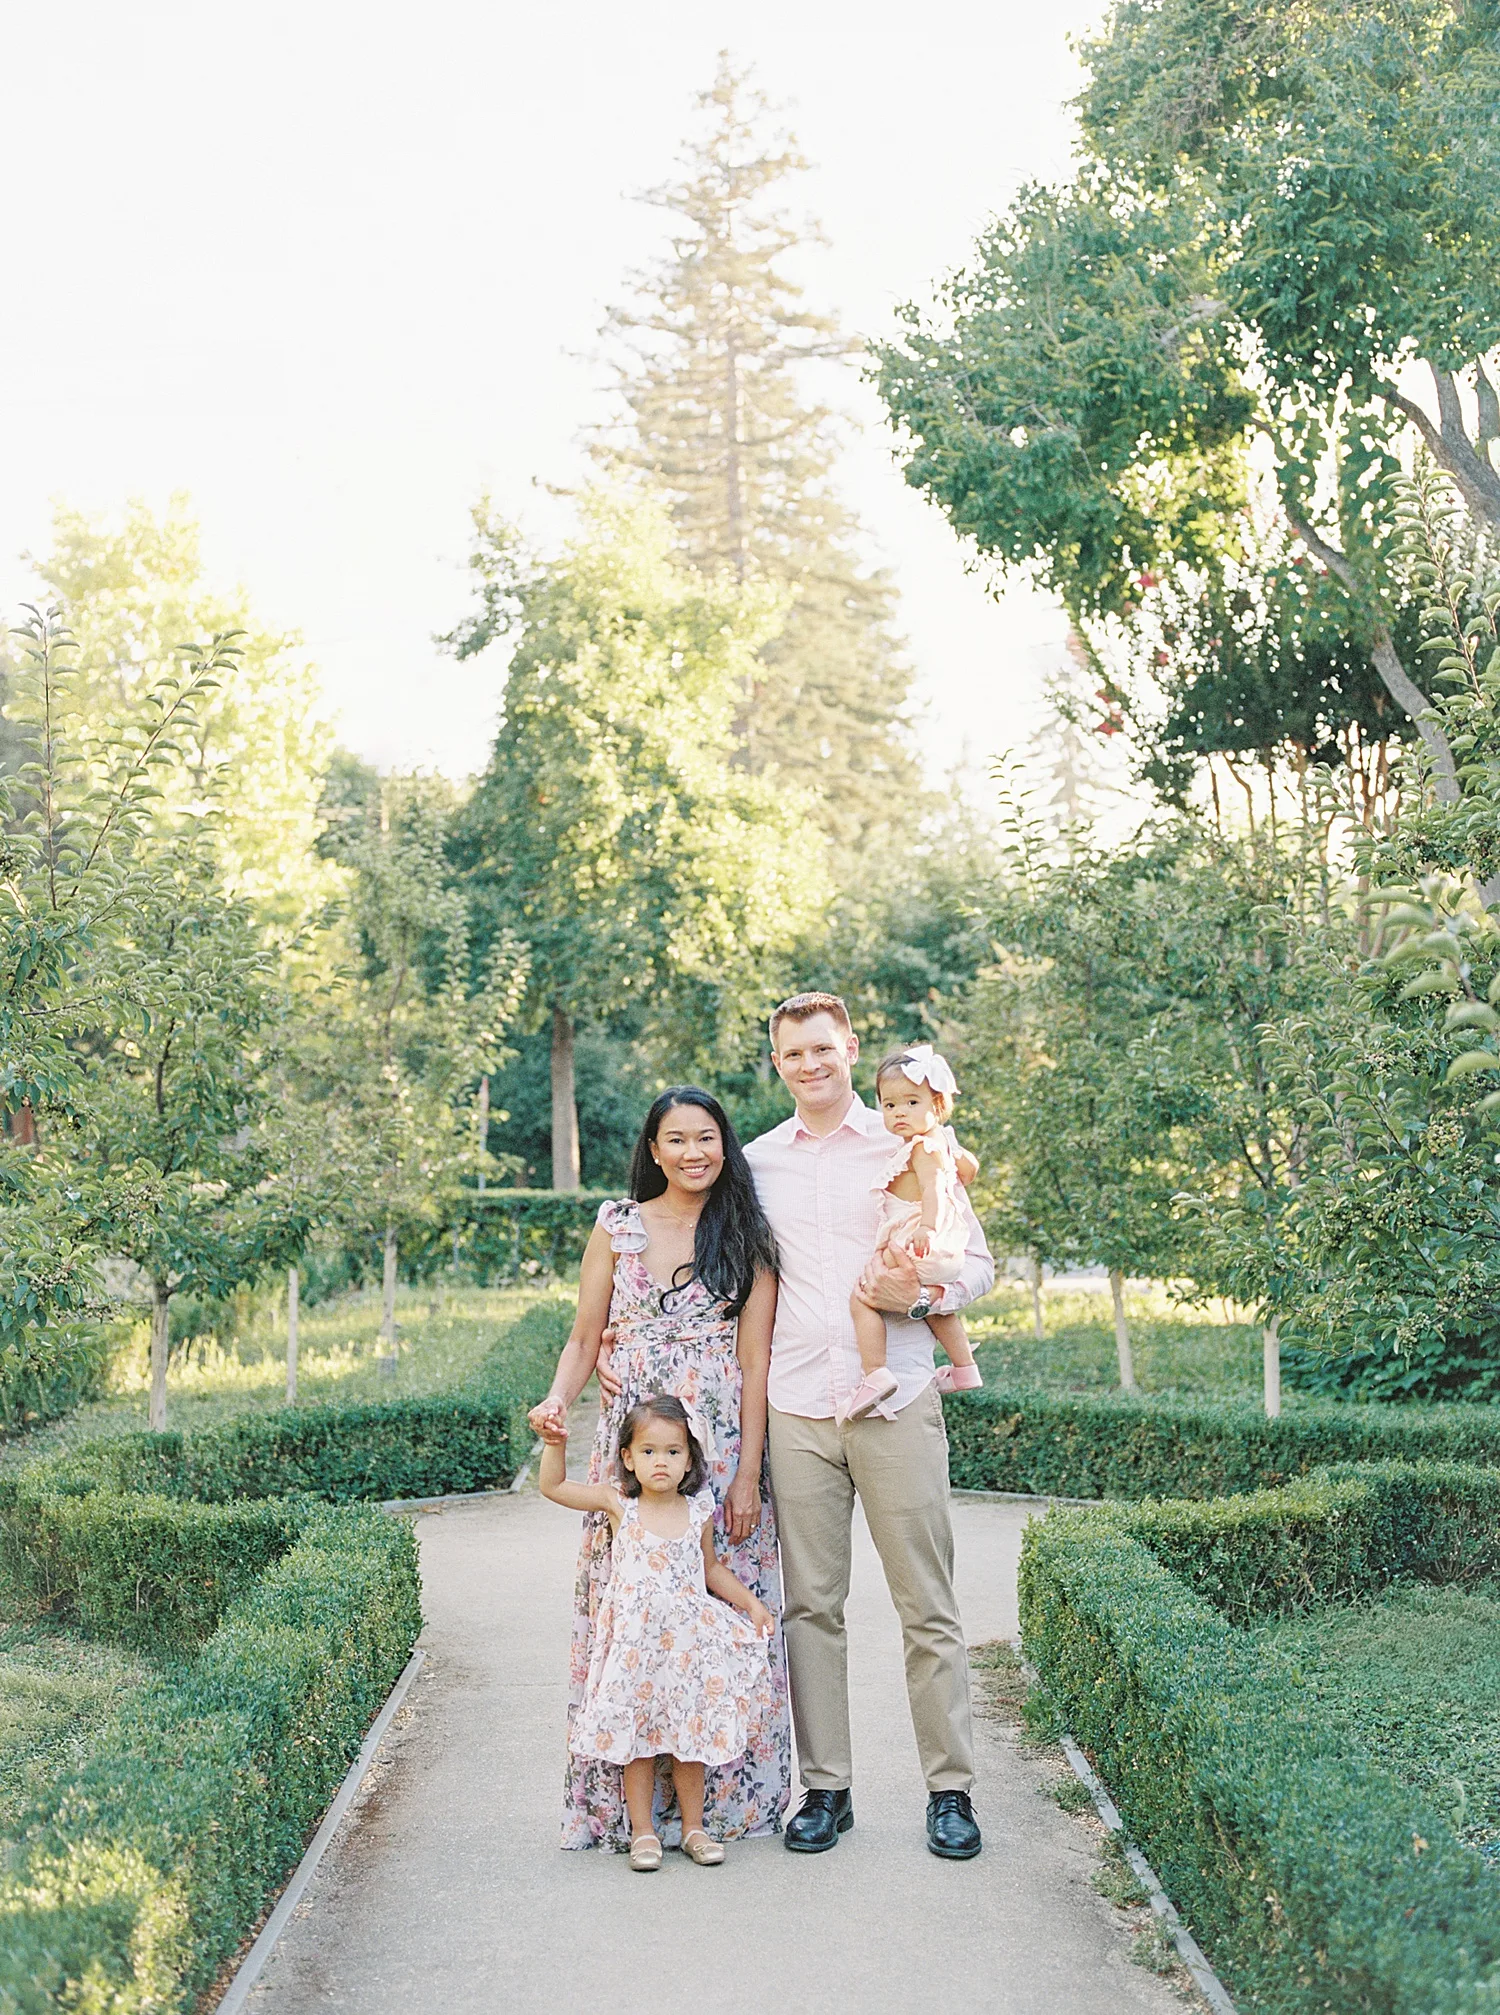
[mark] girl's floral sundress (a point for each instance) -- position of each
(673, 1668)
(690, 1351)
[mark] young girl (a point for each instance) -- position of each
(919, 1215)
(673, 1670)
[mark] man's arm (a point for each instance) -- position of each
(977, 1276)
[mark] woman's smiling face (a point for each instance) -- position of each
(689, 1149)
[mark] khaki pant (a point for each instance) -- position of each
(899, 1468)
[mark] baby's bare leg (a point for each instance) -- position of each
(954, 1338)
(869, 1334)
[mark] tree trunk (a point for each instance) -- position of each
(161, 1337)
(1271, 1351)
(291, 1335)
(565, 1162)
(1037, 1325)
(1122, 1334)
(388, 1303)
(484, 1126)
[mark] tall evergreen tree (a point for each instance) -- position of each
(717, 341)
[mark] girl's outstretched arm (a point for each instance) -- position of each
(552, 1481)
(753, 1342)
(967, 1165)
(729, 1588)
(596, 1279)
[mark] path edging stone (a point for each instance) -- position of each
(1191, 1953)
(237, 1994)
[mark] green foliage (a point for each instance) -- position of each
(148, 1572)
(56, 1692)
(1412, 1680)
(521, 1234)
(254, 752)
(716, 344)
(1087, 1445)
(141, 1875)
(1119, 1052)
(45, 1373)
(389, 1054)
(612, 829)
(1314, 1878)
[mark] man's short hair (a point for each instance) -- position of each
(802, 1007)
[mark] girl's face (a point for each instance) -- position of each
(658, 1457)
(689, 1149)
(909, 1110)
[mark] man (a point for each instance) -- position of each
(816, 1176)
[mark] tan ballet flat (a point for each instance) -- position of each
(699, 1848)
(645, 1854)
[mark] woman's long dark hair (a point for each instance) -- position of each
(732, 1242)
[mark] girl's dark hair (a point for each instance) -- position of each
(733, 1242)
(661, 1406)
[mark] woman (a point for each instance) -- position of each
(684, 1272)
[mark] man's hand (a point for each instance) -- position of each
(604, 1370)
(890, 1281)
(741, 1508)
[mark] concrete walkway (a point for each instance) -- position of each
(447, 1892)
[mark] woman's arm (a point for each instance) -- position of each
(552, 1481)
(596, 1279)
(729, 1588)
(757, 1319)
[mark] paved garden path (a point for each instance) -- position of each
(447, 1893)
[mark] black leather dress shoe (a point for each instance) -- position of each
(821, 1818)
(952, 1829)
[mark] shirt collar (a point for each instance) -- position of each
(856, 1120)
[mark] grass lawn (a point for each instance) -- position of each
(1181, 1350)
(55, 1691)
(444, 1335)
(1413, 1682)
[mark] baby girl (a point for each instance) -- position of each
(920, 1215)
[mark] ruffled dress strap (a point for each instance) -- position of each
(899, 1162)
(701, 1508)
(627, 1232)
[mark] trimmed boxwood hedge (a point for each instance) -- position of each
(294, 1618)
(1315, 1880)
(158, 1852)
(1051, 1444)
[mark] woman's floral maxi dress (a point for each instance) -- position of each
(689, 1351)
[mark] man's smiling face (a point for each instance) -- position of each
(814, 1060)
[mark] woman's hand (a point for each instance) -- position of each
(741, 1508)
(604, 1370)
(549, 1420)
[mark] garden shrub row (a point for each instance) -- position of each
(156, 1854)
(1088, 1445)
(1314, 1878)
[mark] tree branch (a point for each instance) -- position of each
(1402, 688)
(1489, 405)
(1451, 447)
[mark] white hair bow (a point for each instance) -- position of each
(923, 1065)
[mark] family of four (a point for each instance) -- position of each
(762, 1322)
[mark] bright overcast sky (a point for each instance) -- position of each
(335, 269)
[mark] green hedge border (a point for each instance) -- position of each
(1098, 1445)
(1315, 1880)
(156, 1854)
(294, 1611)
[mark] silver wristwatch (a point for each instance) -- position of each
(920, 1309)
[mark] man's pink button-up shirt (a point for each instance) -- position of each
(820, 1195)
